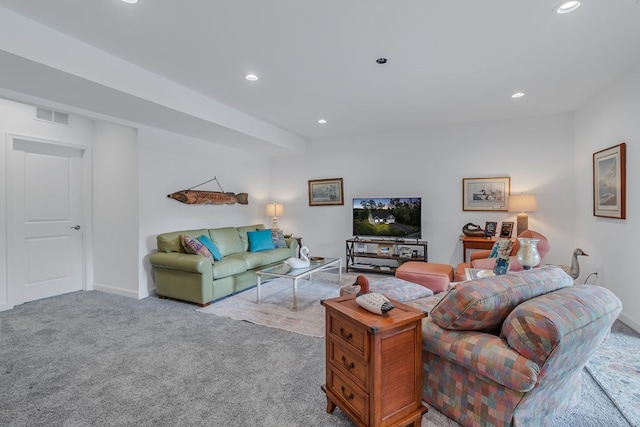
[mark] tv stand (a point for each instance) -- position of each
(386, 250)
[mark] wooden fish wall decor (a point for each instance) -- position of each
(196, 197)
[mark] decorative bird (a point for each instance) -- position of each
(301, 262)
(574, 270)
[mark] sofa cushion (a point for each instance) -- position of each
(260, 240)
(195, 247)
(537, 327)
(215, 252)
(242, 231)
(254, 260)
(227, 240)
(228, 266)
(482, 305)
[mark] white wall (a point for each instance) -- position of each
(609, 118)
(537, 154)
(115, 210)
(168, 163)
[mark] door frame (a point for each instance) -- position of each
(87, 211)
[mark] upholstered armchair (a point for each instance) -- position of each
(480, 259)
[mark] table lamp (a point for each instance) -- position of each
(274, 210)
(522, 203)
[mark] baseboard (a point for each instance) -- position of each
(117, 291)
(630, 323)
(4, 307)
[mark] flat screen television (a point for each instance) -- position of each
(388, 217)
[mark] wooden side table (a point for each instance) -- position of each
(475, 243)
(374, 363)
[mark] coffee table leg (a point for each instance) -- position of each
(340, 271)
(294, 307)
(258, 288)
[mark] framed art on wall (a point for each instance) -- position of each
(486, 194)
(609, 182)
(506, 229)
(326, 192)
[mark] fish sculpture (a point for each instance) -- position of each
(195, 197)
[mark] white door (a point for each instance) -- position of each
(45, 220)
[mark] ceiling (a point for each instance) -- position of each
(449, 62)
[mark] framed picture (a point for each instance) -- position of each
(610, 182)
(325, 192)
(486, 194)
(506, 229)
(490, 228)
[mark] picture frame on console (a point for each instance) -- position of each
(486, 194)
(326, 192)
(506, 228)
(490, 228)
(609, 182)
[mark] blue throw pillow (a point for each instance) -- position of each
(206, 241)
(260, 240)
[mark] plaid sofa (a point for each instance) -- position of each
(509, 350)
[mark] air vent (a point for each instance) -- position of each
(52, 116)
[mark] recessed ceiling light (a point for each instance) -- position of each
(518, 95)
(322, 121)
(130, 1)
(567, 7)
(251, 77)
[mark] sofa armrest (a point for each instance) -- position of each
(184, 262)
(479, 254)
(293, 245)
(483, 353)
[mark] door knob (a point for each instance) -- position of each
(76, 227)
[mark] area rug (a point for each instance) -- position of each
(616, 368)
(275, 308)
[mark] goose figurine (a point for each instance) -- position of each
(301, 262)
(574, 269)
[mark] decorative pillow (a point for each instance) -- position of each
(482, 305)
(260, 240)
(195, 247)
(278, 239)
(215, 252)
(502, 248)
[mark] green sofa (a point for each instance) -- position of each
(194, 278)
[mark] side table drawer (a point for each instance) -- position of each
(355, 366)
(349, 334)
(351, 395)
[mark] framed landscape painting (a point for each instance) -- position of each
(609, 182)
(325, 192)
(486, 194)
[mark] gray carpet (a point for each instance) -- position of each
(95, 359)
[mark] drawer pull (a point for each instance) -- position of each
(347, 336)
(348, 397)
(349, 366)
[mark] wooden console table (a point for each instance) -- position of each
(475, 243)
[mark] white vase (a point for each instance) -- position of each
(528, 254)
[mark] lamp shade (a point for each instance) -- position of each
(274, 209)
(522, 203)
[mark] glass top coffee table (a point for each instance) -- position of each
(295, 274)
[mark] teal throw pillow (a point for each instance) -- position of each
(260, 240)
(278, 239)
(206, 241)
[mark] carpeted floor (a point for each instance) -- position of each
(96, 359)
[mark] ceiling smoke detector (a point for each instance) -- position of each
(381, 60)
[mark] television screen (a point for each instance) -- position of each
(393, 217)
